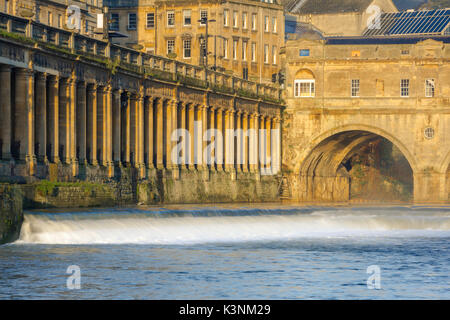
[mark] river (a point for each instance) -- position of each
(230, 252)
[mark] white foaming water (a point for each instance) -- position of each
(190, 228)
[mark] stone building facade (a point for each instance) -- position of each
(337, 18)
(343, 92)
(244, 38)
(54, 12)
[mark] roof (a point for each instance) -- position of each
(424, 22)
(385, 40)
(325, 6)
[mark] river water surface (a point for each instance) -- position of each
(231, 252)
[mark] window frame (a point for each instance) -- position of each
(253, 51)
(112, 26)
(146, 20)
(404, 88)
(266, 24)
(433, 88)
(135, 21)
(235, 49)
(244, 50)
(184, 48)
(274, 24)
(170, 12)
(167, 46)
(235, 19)
(274, 55)
(225, 48)
(201, 18)
(355, 90)
(244, 20)
(298, 84)
(185, 16)
(266, 53)
(226, 17)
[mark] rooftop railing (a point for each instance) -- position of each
(114, 56)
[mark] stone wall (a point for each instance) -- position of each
(11, 214)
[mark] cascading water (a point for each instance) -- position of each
(210, 225)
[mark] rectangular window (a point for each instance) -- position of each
(225, 48)
(7, 6)
(266, 23)
(114, 25)
(244, 20)
(170, 18)
(274, 25)
(244, 50)
(170, 46)
(186, 18)
(186, 48)
(59, 21)
(274, 54)
(150, 20)
(404, 87)
(253, 51)
(235, 19)
(254, 21)
(355, 87)
(235, 45)
(132, 21)
(203, 17)
(266, 53)
(304, 52)
(226, 13)
(304, 88)
(429, 88)
(50, 18)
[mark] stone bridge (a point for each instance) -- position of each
(322, 130)
(73, 108)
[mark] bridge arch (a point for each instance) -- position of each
(321, 167)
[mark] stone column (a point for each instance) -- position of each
(126, 129)
(73, 126)
(5, 111)
(24, 117)
(239, 142)
(109, 133)
(262, 137)
(148, 134)
(140, 135)
(190, 144)
(245, 138)
(253, 143)
(170, 107)
(229, 140)
(211, 154)
(201, 118)
(41, 115)
(102, 129)
(159, 134)
(64, 120)
(268, 144)
(81, 122)
(219, 140)
(116, 126)
(185, 144)
(92, 124)
(53, 119)
(276, 146)
(134, 133)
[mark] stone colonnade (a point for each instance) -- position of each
(51, 119)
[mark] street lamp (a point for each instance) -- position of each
(205, 21)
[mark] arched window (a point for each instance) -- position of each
(304, 84)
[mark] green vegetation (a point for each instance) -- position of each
(49, 188)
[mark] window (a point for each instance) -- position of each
(274, 25)
(404, 87)
(170, 46)
(266, 53)
(355, 87)
(226, 13)
(244, 50)
(225, 48)
(86, 26)
(150, 20)
(203, 17)
(304, 88)
(50, 18)
(304, 52)
(244, 20)
(170, 18)
(186, 18)
(254, 21)
(245, 73)
(405, 52)
(266, 24)
(186, 48)
(7, 6)
(356, 54)
(235, 45)
(59, 21)
(132, 21)
(114, 25)
(274, 54)
(429, 88)
(235, 19)
(253, 51)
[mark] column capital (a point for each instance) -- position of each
(5, 68)
(41, 76)
(92, 87)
